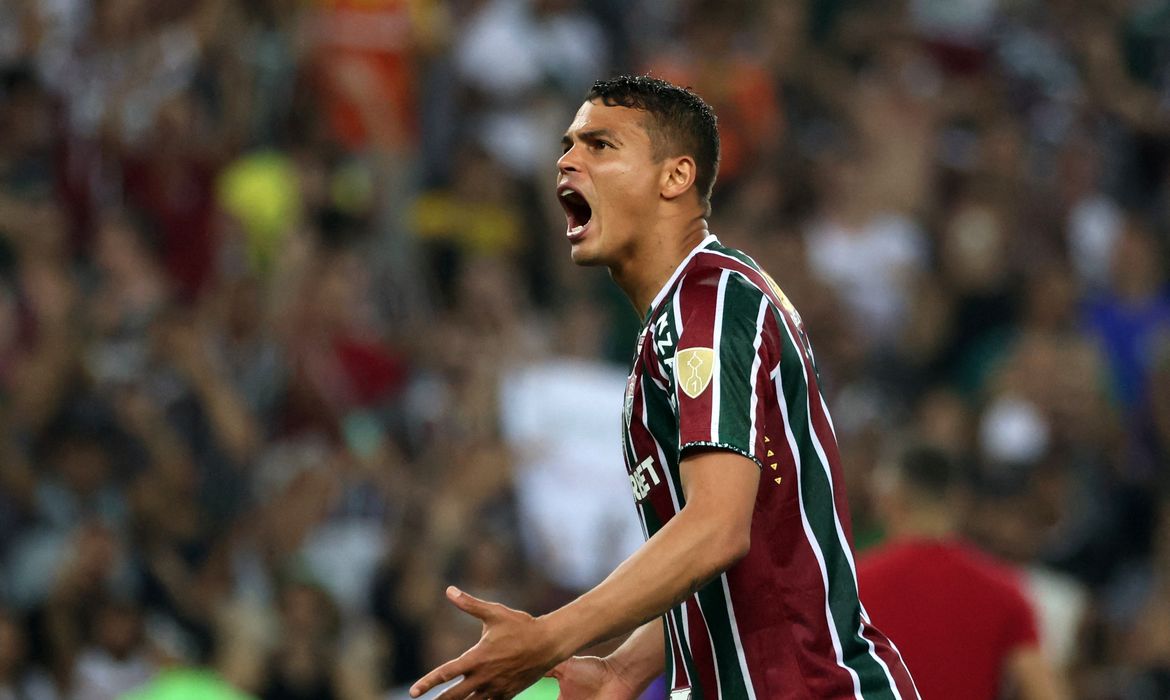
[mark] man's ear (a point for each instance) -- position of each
(678, 176)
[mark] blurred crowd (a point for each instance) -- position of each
(290, 339)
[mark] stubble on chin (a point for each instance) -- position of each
(584, 258)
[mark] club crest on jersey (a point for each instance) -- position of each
(692, 370)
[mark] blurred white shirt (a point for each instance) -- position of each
(562, 419)
(870, 268)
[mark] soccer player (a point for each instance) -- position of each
(745, 587)
(943, 600)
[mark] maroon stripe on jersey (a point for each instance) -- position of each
(698, 329)
(701, 650)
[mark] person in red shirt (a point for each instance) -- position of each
(959, 617)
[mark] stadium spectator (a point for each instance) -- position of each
(960, 619)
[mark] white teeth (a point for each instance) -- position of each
(575, 230)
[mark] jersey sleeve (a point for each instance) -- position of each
(721, 363)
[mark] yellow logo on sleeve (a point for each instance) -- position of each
(692, 369)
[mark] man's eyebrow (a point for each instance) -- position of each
(591, 135)
(595, 134)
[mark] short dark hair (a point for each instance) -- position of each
(680, 122)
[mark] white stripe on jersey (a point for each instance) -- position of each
(756, 359)
(828, 418)
(717, 369)
(676, 309)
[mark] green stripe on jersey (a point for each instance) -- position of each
(663, 426)
(732, 684)
(820, 509)
(737, 354)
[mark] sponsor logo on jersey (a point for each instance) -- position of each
(638, 478)
(692, 369)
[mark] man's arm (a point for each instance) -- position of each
(640, 659)
(709, 534)
(623, 675)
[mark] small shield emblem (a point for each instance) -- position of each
(692, 368)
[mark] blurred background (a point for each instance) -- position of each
(290, 339)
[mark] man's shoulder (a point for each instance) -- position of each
(716, 279)
(717, 256)
(707, 268)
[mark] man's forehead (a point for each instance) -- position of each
(595, 116)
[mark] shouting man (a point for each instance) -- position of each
(746, 585)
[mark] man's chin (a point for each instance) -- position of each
(584, 260)
(583, 255)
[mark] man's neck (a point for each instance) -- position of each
(646, 272)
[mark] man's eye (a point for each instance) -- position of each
(600, 145)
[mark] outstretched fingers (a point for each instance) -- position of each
(462, 690)
(477, 608)
(475, 679)
(448, 671)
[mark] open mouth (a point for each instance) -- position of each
(577, 209)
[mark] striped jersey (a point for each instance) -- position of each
(723, 363)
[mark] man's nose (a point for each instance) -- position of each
(567, 163)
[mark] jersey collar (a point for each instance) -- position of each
(707, 240)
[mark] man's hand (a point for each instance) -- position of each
(514, 651)
(591, 678)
